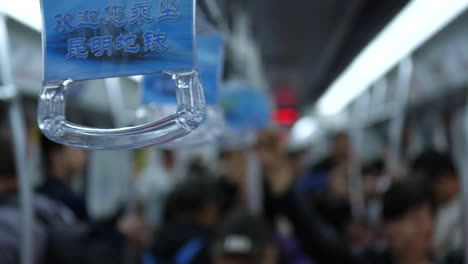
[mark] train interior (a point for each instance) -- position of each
(357, 152)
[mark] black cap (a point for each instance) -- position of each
(242, 235)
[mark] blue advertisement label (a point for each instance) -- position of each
(210, 53)
(246, 108)
(160, 88)
(91, 39)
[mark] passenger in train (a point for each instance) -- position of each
(231, 179)
(197, 168)
(191, 215)
(374, 184)
(244, 239)
(340, 153)
(285, 207)
(407, 223)
(444, 185)
(332, 202)
(406, 219)
(298, 160)
(407, 227)
(303, 236)
(105, 237)
(10, 224)
(61, 164)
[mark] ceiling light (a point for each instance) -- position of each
(412, 27)
(27, 12)
(303, 133)
(137, 79)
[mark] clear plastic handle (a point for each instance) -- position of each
(189, 115)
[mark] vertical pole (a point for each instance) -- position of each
(465, 183)
(19, 138)
(116, 101)
(405, 71)
(254, 183)
(356, 184)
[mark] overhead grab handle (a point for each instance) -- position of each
(88, 39)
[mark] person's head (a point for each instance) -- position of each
(193, 201)
(341, 146)
(61, 162)
(439, 172)
(196, 167)
(374, 168)
(243, 239)
(407, 220)
(372, 172)
(270, 149)
(298, 160)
